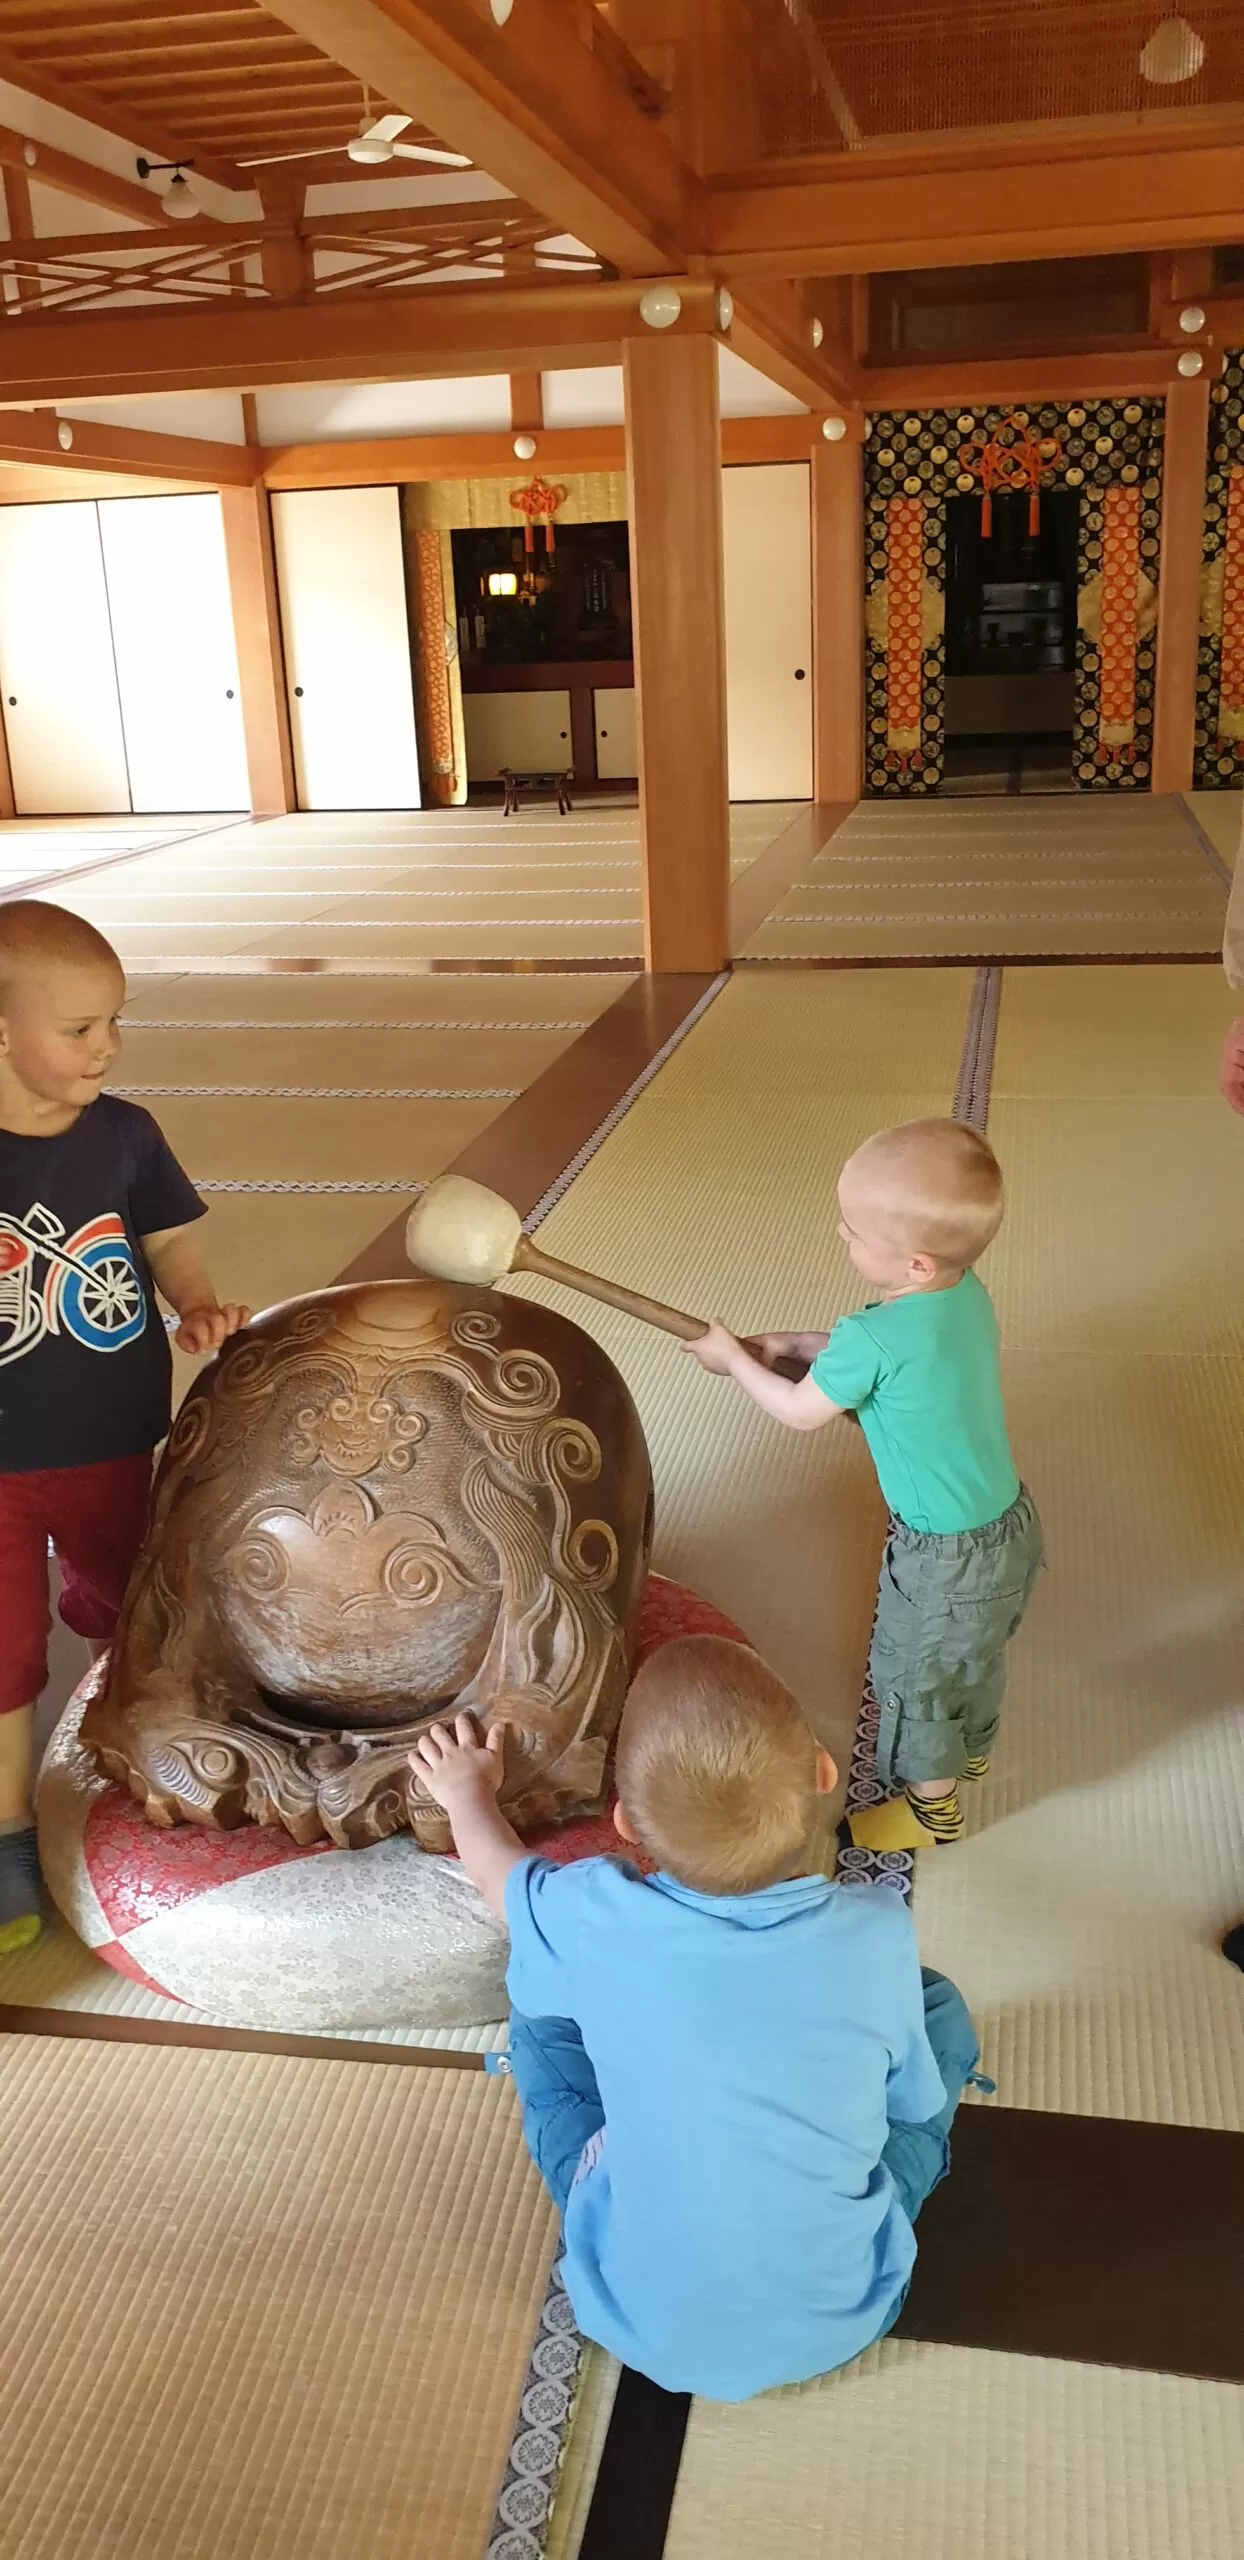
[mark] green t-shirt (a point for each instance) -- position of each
(922, 1374)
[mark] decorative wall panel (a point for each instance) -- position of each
(1219, 757)
(1111, 451)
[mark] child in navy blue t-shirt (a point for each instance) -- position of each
(734, 2079)
(95, 1216)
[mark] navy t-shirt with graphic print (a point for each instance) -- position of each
(85, 1366)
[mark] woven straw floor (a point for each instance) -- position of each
(265, 2306)
(953, 878)
(391, 892)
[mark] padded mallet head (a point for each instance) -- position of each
(461, 1231)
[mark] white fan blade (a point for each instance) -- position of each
(427, 151)
(277, 159)
(386, 127)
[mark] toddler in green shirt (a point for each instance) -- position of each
(919, 1370)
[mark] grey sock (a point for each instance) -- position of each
(21, 1883)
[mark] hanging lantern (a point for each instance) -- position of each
(538, 503)
(1011, 458)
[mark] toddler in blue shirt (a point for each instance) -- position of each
(735, 2081)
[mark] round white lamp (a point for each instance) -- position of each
(1174, 52)
(660, 305)
(833, 429)
(725, 307)
(1191, 319)
(1191, 363)
(64, 436)
(524, 447)
(817, 332)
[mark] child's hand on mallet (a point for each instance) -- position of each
(456, 1765)
(716, 1350)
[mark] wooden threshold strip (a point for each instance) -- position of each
(95, 2026)
(985, 960)
(522, 1152)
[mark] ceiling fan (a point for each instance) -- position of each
(375, 142)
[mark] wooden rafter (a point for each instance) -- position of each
(131, 452)
(382, 460)
(994, 201)
(80, 178)
(374, 337)
(530, 103)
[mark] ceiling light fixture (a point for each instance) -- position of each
(817, 333)
(725, 308)
(833, 429)
(524, 447)
(1192, 319)
(179, 199)
(660, 305)
(64, 436)
(1191, 363)
(1174, 52)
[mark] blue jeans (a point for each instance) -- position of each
(562, 2110)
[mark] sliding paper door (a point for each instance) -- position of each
(62, 715)
(177, 669)
(347, 647)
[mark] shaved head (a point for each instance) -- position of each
(35, 938)
(61, 989)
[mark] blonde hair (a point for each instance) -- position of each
(938, 1186)
(716, 1767)
(35, 937)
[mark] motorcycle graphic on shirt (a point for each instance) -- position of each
(85, 1285)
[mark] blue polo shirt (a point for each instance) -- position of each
(734, 2228)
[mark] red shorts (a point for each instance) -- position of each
(95, 1518)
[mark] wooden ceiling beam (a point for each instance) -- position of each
(71, 176)
(982, 206)
(1001, 379)
(156, 139)
(235, 345)
(132, 452)
(383, 460)
(772, 330)
(531, 104)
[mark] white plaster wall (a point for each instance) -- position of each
(328, 412)
(214, 414)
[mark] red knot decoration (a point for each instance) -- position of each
(538, 502)
(1012, 458)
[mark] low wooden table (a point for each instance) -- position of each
(558, 783)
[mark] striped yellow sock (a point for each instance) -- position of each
(941, 1816)
(978, 1765)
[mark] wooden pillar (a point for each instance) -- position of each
(261, 664)
(673, 469)
(838, 620)
(1179, 583)
(285, 259)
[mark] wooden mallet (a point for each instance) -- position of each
(460, 1231)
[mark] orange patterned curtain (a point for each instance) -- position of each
(432, 694)
(1231, 662)
(904, 627)
(1120, 580)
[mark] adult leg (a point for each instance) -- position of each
(23, 1671)
(558, 2094)
(918, 2155)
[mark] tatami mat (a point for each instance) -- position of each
(1069, 876)
(1219, 813)
(1083, 1915)
(264, 2305)
(945, 2453)
(396, 886)
(717, 1193)
(36, 850)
